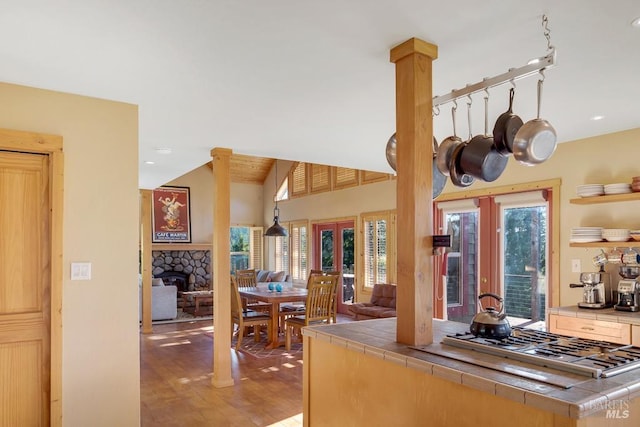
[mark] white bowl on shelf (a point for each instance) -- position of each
(616, 234)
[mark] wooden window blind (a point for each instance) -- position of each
(344, 177)
(299, 250)
(282, 252)
(379, 253)
(367, 177)
(256, 247)
(320, 178)
(298, 180)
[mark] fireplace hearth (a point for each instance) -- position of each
(176, 278)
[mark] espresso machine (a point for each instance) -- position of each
(597, 291)
(628, 289)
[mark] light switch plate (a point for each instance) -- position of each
(80, 271)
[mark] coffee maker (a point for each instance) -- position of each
(597, 291)
(628, 295)
(628, 289)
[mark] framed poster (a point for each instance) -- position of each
(171, 214)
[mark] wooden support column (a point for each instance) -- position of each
(145, 258)
(414, 158)
(221, 159)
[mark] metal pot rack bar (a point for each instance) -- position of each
(512, 75)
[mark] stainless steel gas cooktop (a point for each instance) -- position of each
(570, 354)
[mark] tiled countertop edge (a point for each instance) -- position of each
(592, 402)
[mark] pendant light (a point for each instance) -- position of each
(276, 230)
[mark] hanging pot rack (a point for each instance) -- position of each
(535, 66)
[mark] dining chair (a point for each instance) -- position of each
(319, 305)
(296, 308)
(246, 317)
(248, 279)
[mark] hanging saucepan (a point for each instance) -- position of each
(536, 140)
(506, 127)
(443, 157)
(439, 180)
(458, 177)
(490, 322)
(480, 158)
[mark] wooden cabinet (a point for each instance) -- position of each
(611, 198)
(635, 335)
(592, 329)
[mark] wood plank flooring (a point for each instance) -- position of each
(176, 390)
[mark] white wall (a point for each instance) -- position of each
(101, 358)
(246, 203)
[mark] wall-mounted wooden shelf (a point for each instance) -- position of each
(181, 246)
(629, 244)
(610, 198)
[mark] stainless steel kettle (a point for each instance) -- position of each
(490, 322)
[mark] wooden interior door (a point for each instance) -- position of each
(25, 289)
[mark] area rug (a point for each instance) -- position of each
(258, 350)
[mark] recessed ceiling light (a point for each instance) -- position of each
(163, 150)
(636, 22)
(149, 162)
(596, 118)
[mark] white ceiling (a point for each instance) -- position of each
(312, 81)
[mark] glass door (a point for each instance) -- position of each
(334, 250)
(461, 266)
(524, 254)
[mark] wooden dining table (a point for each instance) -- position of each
(275, 298)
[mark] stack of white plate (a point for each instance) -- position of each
(590, 190)
(615, 234)
(619, 188)
(586, 234)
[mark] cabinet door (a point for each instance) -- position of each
(635, 335)
(590, 328)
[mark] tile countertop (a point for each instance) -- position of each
(606, 314)
(377, 338)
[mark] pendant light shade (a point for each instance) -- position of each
(276, 230)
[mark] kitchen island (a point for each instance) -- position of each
(357, 374)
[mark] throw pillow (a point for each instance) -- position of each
(157, 282)
(262, 276)
(276, 276)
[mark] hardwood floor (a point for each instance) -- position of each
(176, 390)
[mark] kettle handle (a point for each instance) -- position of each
(490, 294)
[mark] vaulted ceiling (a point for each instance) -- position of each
(312, 81)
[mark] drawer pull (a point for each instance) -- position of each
(587, 328)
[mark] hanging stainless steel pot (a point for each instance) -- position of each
(445, 150)
(458, 177)
(536, 140)
(438, 179)
(490, 322)
(480, 158)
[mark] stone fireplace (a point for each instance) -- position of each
(188, 270)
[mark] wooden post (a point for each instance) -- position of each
(145, 258)
(414, 158)
(221, 159)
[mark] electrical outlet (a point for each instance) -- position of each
(575, 266)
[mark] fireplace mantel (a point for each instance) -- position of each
(181, 246)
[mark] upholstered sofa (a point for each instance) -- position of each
(272, 276)
(382, 304)
(164, 301)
